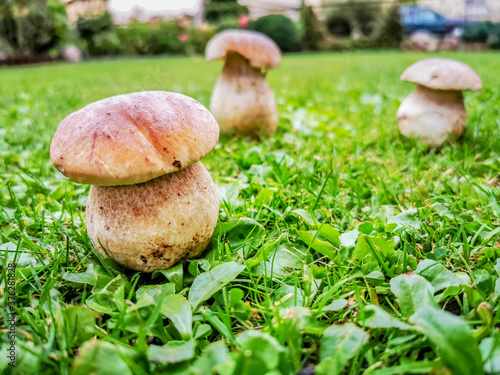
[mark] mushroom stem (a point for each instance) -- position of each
(153, 225)
(242, 101)
(433, 115)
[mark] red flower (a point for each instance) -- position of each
(243, 21)
(182, 38)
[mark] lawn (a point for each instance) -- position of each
(341, 245)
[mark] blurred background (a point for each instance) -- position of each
(44, 30)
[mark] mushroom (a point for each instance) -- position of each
(152, 202)
(242, 101)
(435, 111)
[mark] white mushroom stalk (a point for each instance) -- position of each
(242, 101)
(432, 115)
(152, 202)
(435, 111)
(151, 226)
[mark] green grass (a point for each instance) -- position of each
(340, 244)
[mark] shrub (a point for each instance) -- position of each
(494, 37)
(134, 38)
(90, 26)
(197, 39)
(483, 32)
(228, 23)
(477, 33)
(367, 18)
(99, 33)
(364, 18)
(145, 39)
(164, 37)
(279, 28)
(387, 34)
(218, 10)
(339, 26)
(391, 33)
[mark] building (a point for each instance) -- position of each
(289, 8)
(145, 10)
(478, 10)
(78, 8)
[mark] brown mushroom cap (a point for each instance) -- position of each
(257, 48)
(443, 74)
(132, 138)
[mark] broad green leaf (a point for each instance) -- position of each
(265, 196)
(412, 292)
(330, 233)
(318, 272)
(101, 357)
(404, 219)
(111, 285)
(417, 367)
(262, 354)
(102, 302)
(451, 291)
(380, 318)
(322, 247)
(89, 277)
(208, 283)
(382, 246)
(366, 228)
(497, 288)
(154, 291)
(174, 275)
(338, 345)
(454, 340)
(178, 309)
(348, 239)
(335, 305)
(490, 352)
(282, 261)
(245, 230)
(172, 352)
(213, 356)
(375, 278)
(229, 193)
(235, 296)
(304, 215)
(262, 254)
(437, 274)
(77, 322)
(202, 331)
(289, 296)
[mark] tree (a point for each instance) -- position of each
(312, 33)
(217, 10)
(32, 27)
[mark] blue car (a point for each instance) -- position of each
(416, 18)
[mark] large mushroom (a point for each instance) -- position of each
(242, 101)
(152, 202)
(435, 111)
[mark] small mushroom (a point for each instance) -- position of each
(242, 101)
(435, 111)
(152, 202)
